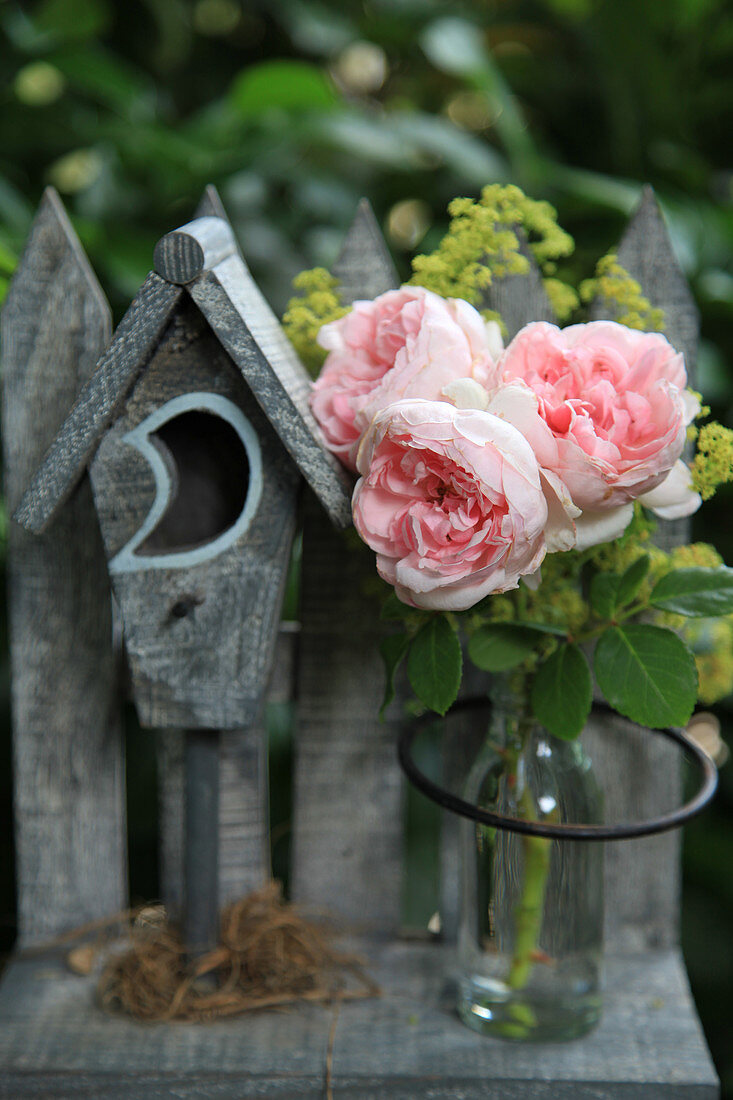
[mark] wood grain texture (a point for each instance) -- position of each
(643, 877)
(54, 1043)
(211, 206)
(519, 299)
(646, 251)
(244, 850)
(347, 823)
(196, 247)
(364, 267)
(347, 828)
(69, 786)
(640, 780)
(244, 847)
(249, 331)
(199, 637)
(98, 402)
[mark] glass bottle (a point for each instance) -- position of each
(531, 919)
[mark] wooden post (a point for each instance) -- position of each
(242, 803)
(69, 785)
(347, 834)
(643, 877)
(201, 863)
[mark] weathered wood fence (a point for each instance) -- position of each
(348, 819)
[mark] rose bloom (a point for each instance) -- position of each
(606, 409)
(406, 343)
(454, 504)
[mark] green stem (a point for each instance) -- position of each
(528, 913)
(528, 916)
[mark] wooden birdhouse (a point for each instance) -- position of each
(195, 430)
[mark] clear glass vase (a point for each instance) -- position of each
(531, 919)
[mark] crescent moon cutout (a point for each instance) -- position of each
(127, 560)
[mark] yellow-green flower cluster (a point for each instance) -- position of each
(481, 244)
(621, 296)
(713, 462)
(711, 642)
(316, 305)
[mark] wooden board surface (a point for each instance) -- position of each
(97, 403)
(643, 877)
(68, 763)
(235, 308)
(55, 1044)
(200, 627)
(364, 267)
(347, 827)
(519, 299)
(244, 849)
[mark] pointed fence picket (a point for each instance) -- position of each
(347, 826)
(70, 831)
(347, 830)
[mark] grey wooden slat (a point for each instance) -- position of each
(210, 205)
(246, 326)
(646, 252)
(98, 402)
(54, 1042)
(244, 850)
(647, 1045)
(519, 299)
(643, 877)
(69, 786)
(347, 831)
(347, 826)
(244, 853)
(364, 267)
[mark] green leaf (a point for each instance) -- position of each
(499, 646)
(392, 648)
(603, 593)
(647, 673)
(562, 692)
(695, 592)
(72, 19)
(107, 79)
(632, 580)
(434, 664)
(293, 86)
(544, 628)
(393, 609)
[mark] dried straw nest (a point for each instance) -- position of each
(269, 955)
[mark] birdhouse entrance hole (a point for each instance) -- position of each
(209, 477)
(206, 460)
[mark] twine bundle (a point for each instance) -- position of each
(269, 955)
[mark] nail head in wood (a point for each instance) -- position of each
(187, 252)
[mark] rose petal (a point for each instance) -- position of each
(675, 498)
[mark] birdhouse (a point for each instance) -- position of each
(195, 430)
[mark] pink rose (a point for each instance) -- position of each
(603, 406)
(406, 343)
(453, 503)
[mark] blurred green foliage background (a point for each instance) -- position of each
(296, 108)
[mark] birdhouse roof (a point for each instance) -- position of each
(201, 260)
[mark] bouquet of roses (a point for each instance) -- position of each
(510, 493)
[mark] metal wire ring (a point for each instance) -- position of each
(562, 832)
